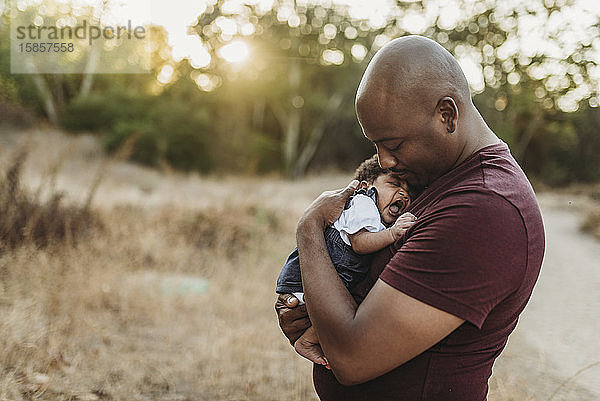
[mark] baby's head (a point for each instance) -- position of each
(393, 192)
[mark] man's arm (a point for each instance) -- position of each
(388, 329)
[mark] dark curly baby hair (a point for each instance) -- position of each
(369, 170)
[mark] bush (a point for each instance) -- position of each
(264, 153)
(92, 113)
(183, 127)
(147, 144)
(220, 230)
(16, 115)
(187, 151)
(26, 219)
(591, 223)
(167, 130)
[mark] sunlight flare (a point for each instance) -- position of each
(235, 52)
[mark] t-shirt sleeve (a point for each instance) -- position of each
(464, 255)
(362, 213)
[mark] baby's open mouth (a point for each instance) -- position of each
(396, 207)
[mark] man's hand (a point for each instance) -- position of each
(308, 347)
(328, 207)
(293, 319)
(402, 224)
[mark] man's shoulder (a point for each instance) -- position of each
(494, 181)
(469, 198)
(468, 212)
(479, 213)
(490, 172)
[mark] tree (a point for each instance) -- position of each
(307, 59)
(55, 90)
(305, 56)
(285, 107)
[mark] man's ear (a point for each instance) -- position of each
(363, 185)
(447, 111)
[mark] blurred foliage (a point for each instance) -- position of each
(591, 223)
(289, 108)
(167, 130)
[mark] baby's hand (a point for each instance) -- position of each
(402, 224)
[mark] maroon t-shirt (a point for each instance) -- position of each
(475, 252)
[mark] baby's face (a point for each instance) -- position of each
(393, 197)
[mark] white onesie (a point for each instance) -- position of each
(362, 213)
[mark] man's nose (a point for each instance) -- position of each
(386, 159)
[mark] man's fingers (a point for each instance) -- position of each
(289, 300)
(299, 324)
(285, 301)
(349, 190)
(352, 186)
(289, 315)
(293, 318)
(294, 328)
(292, 302)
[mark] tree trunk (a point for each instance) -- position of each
(258, 114)
(47, 99)
(525, 139)
(88, 73)
(316, 134)
(294, 119)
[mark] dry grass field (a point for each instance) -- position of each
(170, 301)
(161, 289)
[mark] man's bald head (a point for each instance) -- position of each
(414, 104)
(413, 70)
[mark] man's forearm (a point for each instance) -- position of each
(330, 306)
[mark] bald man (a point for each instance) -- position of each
(438, 305)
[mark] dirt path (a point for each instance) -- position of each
(558, 334)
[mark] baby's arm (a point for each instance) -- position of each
(364, 242)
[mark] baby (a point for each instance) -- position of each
(372, 219)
